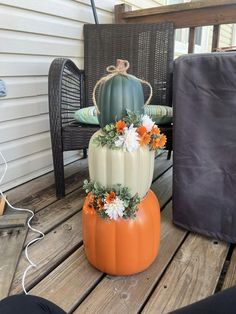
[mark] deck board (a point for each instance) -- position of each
(192, 275)
(187, 268)
(54, 214)
(76, 274)
(37, 194)
(24, 195)
(46, 195)
(48, 253)
(11, 243)
(164, 195)
(230, 278)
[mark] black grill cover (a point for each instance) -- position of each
(204, 183)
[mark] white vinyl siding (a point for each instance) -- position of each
(32, 34)
(226, 35)
(234, 35)
(142, 4)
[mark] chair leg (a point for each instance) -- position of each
(169, 154)
(58, 162)
(85, 155)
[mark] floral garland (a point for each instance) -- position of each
(131, 133)
(114, 203)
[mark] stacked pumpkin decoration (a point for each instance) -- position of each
(121, 215)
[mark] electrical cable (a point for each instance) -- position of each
(31, 263)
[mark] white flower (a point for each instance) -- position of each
(129, 141)
(147, 122)
(114, 209)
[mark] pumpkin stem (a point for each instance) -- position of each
(122, 65)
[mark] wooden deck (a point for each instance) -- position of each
(188, 268)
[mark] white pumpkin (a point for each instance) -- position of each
(109, 166)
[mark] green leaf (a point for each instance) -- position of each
(100, 192)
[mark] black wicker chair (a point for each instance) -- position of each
(149, 49)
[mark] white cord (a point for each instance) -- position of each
(32, 264)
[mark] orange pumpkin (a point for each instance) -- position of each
(123, 246)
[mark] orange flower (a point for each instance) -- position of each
(155, 130)
(141, 130)
(120, 125)
(159, 142)
(100, 204)
(145, 139)
(90, 199)
(110, 197)
(156, 143)
(163, 140)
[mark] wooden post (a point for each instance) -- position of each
(191, 40)
(215, 38)
(2, 205)
(119, 10)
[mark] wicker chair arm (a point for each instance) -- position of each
(65, 91)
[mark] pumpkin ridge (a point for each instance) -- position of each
(139, 258)
(100, 101)
(124, 106)
(151, 169)
(137, 161)
(124, 173)
(108, 99)
(116, 95)
(130, 169)
(133, 98)
(115, 246)
(95, 247)
(153, 226)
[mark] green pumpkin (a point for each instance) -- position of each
(117, 95)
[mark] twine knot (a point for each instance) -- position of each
(120, 68)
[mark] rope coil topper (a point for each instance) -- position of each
(120, 69)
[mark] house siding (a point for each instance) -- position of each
(142, 4)
(32, 34)
(226, 35)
